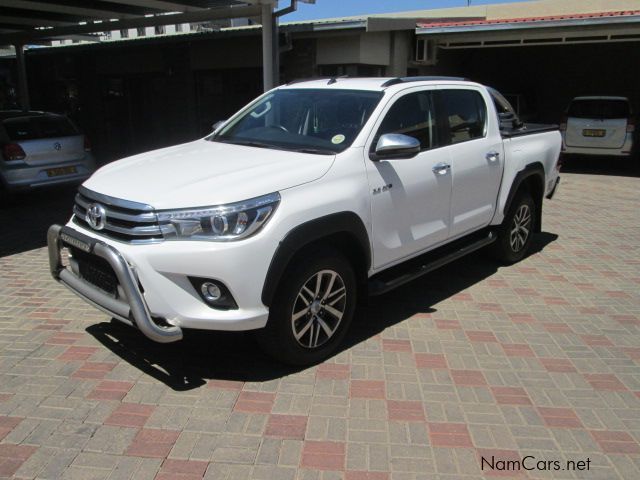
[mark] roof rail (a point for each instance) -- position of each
(311, 79)
(395, 81)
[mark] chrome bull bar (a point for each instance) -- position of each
(134, 311)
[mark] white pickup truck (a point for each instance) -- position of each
(316, 193)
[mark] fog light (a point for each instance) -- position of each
(214, 293)
(211, 291)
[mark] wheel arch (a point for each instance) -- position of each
(531, 178)
(344, 231)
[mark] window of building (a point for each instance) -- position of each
(466, 114)
(411, 115)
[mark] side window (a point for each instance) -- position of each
(466, 113)
(411, 115)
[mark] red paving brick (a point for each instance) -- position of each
(559, 417)
(286, 426)
(558, 365)
(431, 360)
(596, 340)
(225, 384)
(110, 390)
(364, 475)
(130, 415)
(448, 325)
(182, 470)
(75, 353)
(405, 410)
(94, 370)
(7, 424)
(333, 371)
(12, 457)
(449, 435)
(152, 443)
(511, 395)
(481, 336)
(517, 350)
(255, 402)
(368, 389)
(604, 381)
(390, 345)
(468, 377)
(323, 455)
(616, 442)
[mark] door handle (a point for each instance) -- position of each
(441, 168)
(493, 156)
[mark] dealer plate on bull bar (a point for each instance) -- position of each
(593, 132)
(75, 239)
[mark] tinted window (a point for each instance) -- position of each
(32, 128)
(466, 113)
(293, 119)
(411, 115)
(599, 109)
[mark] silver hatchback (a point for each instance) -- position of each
(41, 149)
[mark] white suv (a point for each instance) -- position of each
(315, 193)
(598, 126)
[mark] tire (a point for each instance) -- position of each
(516, 232)
(323, 311)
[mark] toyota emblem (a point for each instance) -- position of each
(57, 146)
(96, 216)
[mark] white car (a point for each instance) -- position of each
(41, 149)
(314, 194)
(598, 126)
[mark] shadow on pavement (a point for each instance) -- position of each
(25, 218)
(612, 166)
(205, 355)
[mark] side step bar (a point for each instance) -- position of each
(414, 268)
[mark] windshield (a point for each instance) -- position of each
(605, 109)
(309, 120)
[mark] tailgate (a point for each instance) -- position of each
(49, 151)
(596, 133)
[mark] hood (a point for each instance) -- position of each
(203, 173)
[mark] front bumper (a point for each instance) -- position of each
(159, 299)
(133, 310)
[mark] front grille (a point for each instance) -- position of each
(96, 271)
(125, 221)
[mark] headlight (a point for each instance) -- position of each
(222, 223)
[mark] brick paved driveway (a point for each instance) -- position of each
(539, 360)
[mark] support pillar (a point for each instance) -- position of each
(23, 89)
(267, 46)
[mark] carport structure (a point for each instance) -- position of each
(26, 22)
(549, 59)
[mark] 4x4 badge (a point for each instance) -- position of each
(384, 188)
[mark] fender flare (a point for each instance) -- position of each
(310, 232)
(535, 169)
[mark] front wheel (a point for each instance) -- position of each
(312, 309)
(516, 232)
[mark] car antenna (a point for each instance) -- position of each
(335, 79)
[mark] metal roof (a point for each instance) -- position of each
(30, 21)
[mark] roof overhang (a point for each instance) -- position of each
(28, 21)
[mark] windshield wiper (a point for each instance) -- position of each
(246, 143)
(317, 151)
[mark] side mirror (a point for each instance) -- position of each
(396, 145)
(217, 125)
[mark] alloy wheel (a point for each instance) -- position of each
(520, 228)
(318, 309)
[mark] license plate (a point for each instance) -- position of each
(589, 132)
(57, 172)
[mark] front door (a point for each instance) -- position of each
(410, 197)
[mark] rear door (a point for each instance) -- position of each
(476, 155)
(46, 139)
(597, 123)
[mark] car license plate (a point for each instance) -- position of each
(56, 172)
(589, 132)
